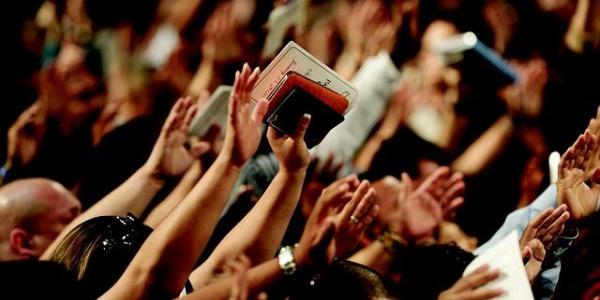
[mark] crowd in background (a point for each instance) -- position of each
(105, 193)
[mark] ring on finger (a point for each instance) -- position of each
(354, 220)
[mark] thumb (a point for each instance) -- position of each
(302, 127)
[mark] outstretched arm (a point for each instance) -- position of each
(166, 259)
(169, 157)
(260, 232)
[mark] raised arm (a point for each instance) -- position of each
(166, 206)
(259, 233)
(166, 259)
(169, 157)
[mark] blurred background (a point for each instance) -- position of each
(488, 87)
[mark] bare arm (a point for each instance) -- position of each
(260, 232)
(168, 157)
(185, 185)
(166, 259)
(486, 148)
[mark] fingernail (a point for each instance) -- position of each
(307, 116)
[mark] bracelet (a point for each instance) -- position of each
(287, 262)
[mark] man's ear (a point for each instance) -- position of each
(21, 242)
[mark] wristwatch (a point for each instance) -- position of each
(287, 263)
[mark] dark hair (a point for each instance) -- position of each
(112, 13)
(99, 250)
(429, 270)
(32, 279)
(344, 279)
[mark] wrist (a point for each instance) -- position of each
(228, 161)
(294, 171)
(155, 178)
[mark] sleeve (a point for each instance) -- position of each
(375, 82)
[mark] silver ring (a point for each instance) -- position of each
(354, 220)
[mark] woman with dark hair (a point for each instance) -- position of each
(98, 250)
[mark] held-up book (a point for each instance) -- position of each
(215, 112)
(296, 95)
(293, 58)
(506, 257)
(296, 83)
(477, 59)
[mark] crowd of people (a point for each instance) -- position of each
(104, 192)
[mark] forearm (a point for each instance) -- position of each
(167, 257)
(259, 278)
(133, 196)
(486, 148)
(158, 214)
(259, 233)
(348, 63)
(203, 79)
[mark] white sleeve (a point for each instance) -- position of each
(375, 82)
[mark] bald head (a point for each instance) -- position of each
(33, 212)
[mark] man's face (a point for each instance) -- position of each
(61, 210)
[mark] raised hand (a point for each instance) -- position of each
(291, 150)
(354, 218)
(467, 288)
(244, 124)
(533, 254)
(447, 188)
(170, 156)
(419, 213)
(580, 196)
(545, 227)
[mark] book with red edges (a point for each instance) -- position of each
(296, 95)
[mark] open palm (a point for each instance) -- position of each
(170, 156)
(245, 123)
(580, 196)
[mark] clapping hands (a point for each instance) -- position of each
(581, 196)
(421, 210)
(348, 207)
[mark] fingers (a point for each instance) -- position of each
(177, 114)
(370, 217)
(478, 278)
(555, 229)
(539, 219)
(350, 207)
(451, 207)
(555, 215)
(260, 111)
(190, 114)
(365, 204)
(483, 294)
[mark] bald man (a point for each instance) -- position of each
(32, 214)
